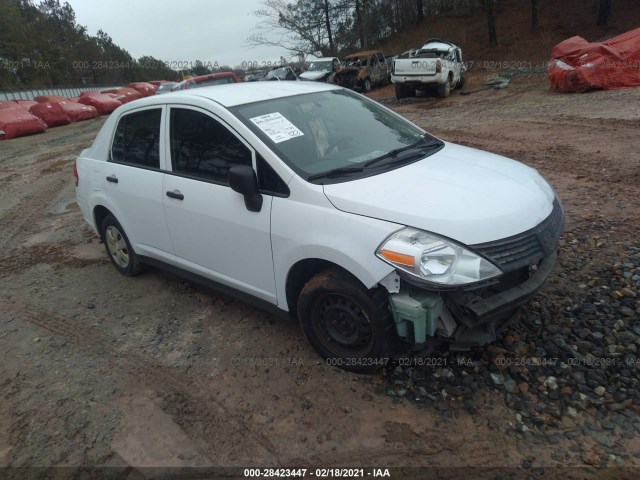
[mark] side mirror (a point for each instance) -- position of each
(242, 179)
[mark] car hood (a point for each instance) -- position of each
(462, 193)
(313, 75)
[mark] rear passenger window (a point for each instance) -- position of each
(204, 148)
(137, 139)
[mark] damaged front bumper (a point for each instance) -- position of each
(474, 317)
(465, 319)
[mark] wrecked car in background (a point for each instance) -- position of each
(362, 70)
(282, 73)
(321, 69)
(207, 80)
(580, 66)
(436, 65)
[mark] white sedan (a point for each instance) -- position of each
(315, 202)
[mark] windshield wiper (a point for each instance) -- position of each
(419, 145)
(336, 172)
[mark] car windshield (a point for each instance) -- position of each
(335, 134)
(320, 67)
(279, 73)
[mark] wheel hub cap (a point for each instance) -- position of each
(117, 246)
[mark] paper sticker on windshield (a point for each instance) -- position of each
(277, 127)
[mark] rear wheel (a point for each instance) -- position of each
(346, 324)
(400, 93)
(445, 90)
(367, 85)
(118, 247)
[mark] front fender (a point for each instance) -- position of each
(301, 231)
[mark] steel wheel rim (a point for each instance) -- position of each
(342, 326)
(117, 246)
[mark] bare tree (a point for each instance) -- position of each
(420, 8)
(332, 48)
(491, 9)
(604, 10)
(535, 14)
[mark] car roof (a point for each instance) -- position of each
(233, 94)
(437, 44)
(366, 53)
(210, 76)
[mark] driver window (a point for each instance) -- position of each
(204, 148)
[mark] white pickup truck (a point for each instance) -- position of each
(437, 64)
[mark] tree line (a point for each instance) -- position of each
(335, 27)
(43, 45)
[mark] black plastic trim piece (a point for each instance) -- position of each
(527, 247)
(485, 310)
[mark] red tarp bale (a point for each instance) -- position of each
(8, 105)
(50, 98)
(130, 93)
(157, 83)
(26, 103)
(90, 93)
(18, 122)
(78, 112)
(580, 66)
(103, 103)
(74, 99)
(146, 89)
(121, 98)
(50, 113)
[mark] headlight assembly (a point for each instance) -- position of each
(431, 258)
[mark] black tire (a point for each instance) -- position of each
(347, 325)
(461, 82)
(118, 247)
(400, 94)
(445, 90)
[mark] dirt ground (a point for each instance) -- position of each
(101, 370)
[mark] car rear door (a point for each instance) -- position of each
(212, 231)
(133, 179)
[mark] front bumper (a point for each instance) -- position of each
(473, 316)
(481, 319)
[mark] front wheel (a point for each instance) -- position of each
(461, 82)
(118, 247)
(346, 324)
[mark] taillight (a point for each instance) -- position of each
(75, 173)
(438, 66)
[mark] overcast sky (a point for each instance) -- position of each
(182, 30)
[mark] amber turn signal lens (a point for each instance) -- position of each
(398, 258)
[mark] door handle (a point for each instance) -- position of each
(112, 179)
(175, 194)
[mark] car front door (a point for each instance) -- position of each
(133, 180)
(212, 231)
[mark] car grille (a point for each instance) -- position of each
(528, 247)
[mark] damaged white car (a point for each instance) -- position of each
(317, 203)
